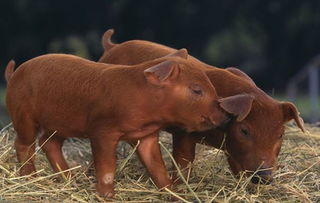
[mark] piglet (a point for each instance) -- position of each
(252, 139)
(60, 96)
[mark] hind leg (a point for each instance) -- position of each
(52, 146)
(25, 145)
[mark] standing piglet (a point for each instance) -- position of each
(252, 139)
(74, 97)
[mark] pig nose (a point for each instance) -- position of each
(213, 122)
(262, 177)
(225, 123)
(208, 120)
(220, 122)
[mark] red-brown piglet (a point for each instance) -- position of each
(253, 138)
(60, 96)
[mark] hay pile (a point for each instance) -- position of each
(297, 179)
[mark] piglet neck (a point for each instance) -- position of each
(158, 105)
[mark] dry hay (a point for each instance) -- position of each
(296, 180)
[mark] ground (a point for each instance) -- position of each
(296, 180)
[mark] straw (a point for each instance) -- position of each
(297, 178)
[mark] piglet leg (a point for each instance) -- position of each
(25, 144)
(52, 146)
(183, 152)
(150, 155)
(104, 155)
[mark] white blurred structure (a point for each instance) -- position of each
(310, 73)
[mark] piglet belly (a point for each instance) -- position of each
(63, 124)
(140, 133)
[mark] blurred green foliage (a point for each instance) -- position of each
(2, 97)
(302, 103)
(241, 43)
(3, 112)
(270, 40)
(72, 44)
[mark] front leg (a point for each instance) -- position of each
(150, 155)
(103, 147)
(53, 149)
(183, 151)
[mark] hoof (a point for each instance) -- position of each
(105, 191)
(27, 170)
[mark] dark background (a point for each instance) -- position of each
(270, 40)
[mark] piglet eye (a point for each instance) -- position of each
(199, 92)
(245, 132)
(196, 90)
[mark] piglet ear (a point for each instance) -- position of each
(290, 112)
(240, 73)
(182, 53)
(162, 72)
(237, 105)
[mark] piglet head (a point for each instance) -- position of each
(190, 100)
(254, 136)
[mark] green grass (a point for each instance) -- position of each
(4, 119)
(302, 103)
(2, 95)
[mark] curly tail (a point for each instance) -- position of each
(106, 40)
(9, 70)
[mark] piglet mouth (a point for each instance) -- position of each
(206, 121)
(260, 179)
(204, 124)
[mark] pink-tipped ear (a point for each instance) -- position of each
(182, 53)
(290, 112)
(161, 72)
(106, 40)
(237, 105)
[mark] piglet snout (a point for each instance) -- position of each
(208, 121)
(262, 177)
(223, 125)
(219, 120)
